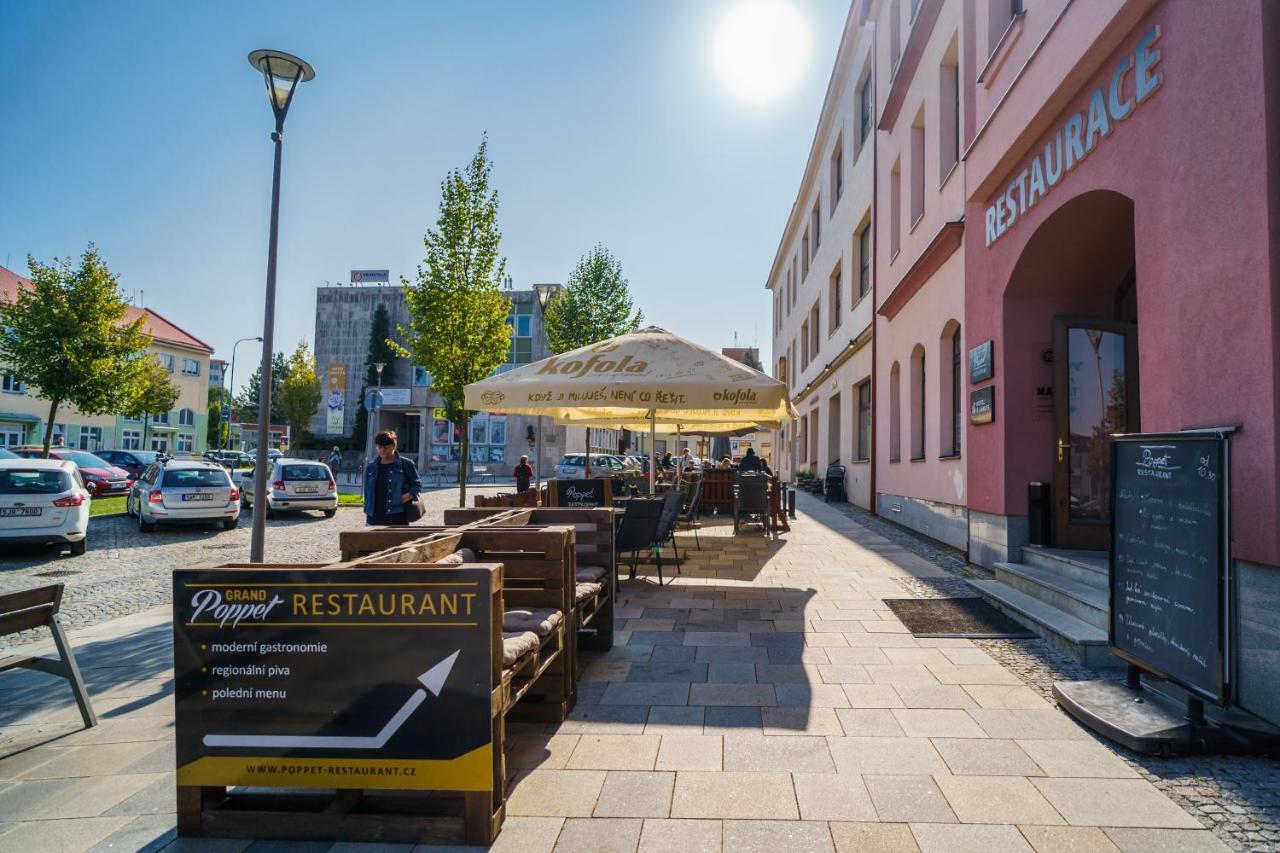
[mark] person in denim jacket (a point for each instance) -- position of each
(390, 482)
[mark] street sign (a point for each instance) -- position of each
(396, 396)
(370, 276)
(373, 399)
(334, 678)
(226, 414)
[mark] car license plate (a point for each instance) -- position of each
(197, 497)
(306, 490)
(18, 511)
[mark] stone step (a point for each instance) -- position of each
(1086, 643)
(1083, 601)
(1091, 567)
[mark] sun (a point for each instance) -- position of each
(761, 50)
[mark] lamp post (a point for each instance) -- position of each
(374, 411)
(545, 291)
(231, 390)
(281, 72)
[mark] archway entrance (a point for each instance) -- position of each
(1076, 285)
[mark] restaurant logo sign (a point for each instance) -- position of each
(1079, 135)
(598, 362)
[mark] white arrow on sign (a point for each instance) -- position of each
(433, 680)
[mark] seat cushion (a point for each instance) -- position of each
(457, 558)
(585, 591)
(587, 574)
(541, 621)
(517, 644)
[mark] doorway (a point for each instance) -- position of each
(1095, 396)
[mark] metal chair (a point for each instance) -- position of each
(638, 530)
(751, 498)
(672, 503)
(689, 517)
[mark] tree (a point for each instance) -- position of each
(300, 391)
(246, 405)
(216, 430)
(379, 351)
(153, 393)
(595, 304)
(457, 313)
(67, 335)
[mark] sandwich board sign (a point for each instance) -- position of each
(334, 678)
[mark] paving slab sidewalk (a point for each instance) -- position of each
(765, 699)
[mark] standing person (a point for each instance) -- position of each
(750, 462)
(686, 462)
(390, 482)
(335, 459)
(667, 462)
(524, 473)
(764, 466)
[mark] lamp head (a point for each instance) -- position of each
(545, 291)
(282, 72)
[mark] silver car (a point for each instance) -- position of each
(183, 491)
(295, 484)
(573, 466)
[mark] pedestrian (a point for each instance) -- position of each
(667, 463)
(390, 482)
(335, 458)
(764, 466)
(524, 473)
(750, 462)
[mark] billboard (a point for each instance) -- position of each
(335, 399)
(370, 276)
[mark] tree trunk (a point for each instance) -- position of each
(48, 430)
(462, 463)
(146, 422)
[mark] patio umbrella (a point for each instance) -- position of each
(650, 377)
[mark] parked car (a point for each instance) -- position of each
(230, 458)
(133, 461)
(180, 491)
(6, 453)
(572, 466)
(295, 485)
(43, 501)
(101, 478)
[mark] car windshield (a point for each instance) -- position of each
(188, 477)
(145, 457)
(83, 460)
(304, 472)
(24, 482)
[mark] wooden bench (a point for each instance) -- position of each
(32, 608)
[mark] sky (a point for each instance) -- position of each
(141, 127)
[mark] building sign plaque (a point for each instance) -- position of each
(982, 361)
(982, 405)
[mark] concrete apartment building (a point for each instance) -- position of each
(24, 413)
(821, 280)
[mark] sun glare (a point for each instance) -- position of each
(761, 49)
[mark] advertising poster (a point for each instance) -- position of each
(440, 432)
(498, 429)
(479, 428)
(335, 398)
(337, 678)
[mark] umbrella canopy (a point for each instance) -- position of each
(646, 377)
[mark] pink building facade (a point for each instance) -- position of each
(1122, 262)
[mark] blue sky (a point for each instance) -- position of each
(141, 127)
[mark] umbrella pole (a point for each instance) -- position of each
(653, 452)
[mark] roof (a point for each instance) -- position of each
(162, 330)
(38, 464)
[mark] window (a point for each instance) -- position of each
(837, 172)
(804, 344)
(12, 436)
(833, 431)
(952, 387)
(782, 370)
(190, 367)
(1000, 13)
(948, 112)
(186, 442)
(862, 447)
(186, 417)
(804, 257)
(166, 361)
(917, 168)
(816, 219)
(867, 110)
(795, 281)
(836, 287)
(895, 37)
(161, 418)
(895, 413)
(917, 402)
(90, 438)
(421, 378)
(131, 439)
(815, 324)
(864, 260)
(895, 209)
(790, 297)
(10, 384)
(813, 436)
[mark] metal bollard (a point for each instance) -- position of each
(791, 502)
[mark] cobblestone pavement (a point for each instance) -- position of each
(1237, 797)
(125, 571)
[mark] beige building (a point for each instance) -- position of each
(821, 280)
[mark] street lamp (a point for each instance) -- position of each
(374, 410)
(231, 390)
(281, 72)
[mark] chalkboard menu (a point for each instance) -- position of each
(1167, 557)
(334, 678)
(581, 494)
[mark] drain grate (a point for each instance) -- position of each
(58, 573)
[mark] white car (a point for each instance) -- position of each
(573, 466)
(295, 485)
(179, 491)
(43, 501)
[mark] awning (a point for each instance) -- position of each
(15, 418)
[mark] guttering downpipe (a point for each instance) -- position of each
(875, 275)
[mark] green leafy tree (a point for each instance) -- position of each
(216, 430)
(595, 304)
(379, 351)
(246, 405)
(152, 393)
(457, 313)
(67, 335)
(300, 391)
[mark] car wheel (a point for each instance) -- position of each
(77, 548)
(330, 513)
(145, 526)
(230, 523)
(271, 513)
